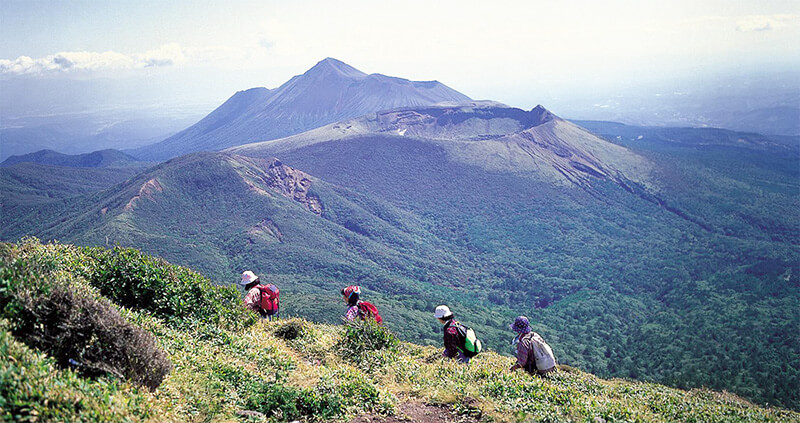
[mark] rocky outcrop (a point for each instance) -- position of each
(294, 184)
(266, 229)
(269, 177)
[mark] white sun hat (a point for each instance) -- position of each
(442, 311)
(247, 278)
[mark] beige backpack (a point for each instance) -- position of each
(542, 353)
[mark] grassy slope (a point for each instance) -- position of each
(224, 366)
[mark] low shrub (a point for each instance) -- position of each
(362, 392)
(136, 280)
(362, 337)
(87, 333)
(287, 403)
(54, 312)
(321, 405)
(291, 329)
(33, 389)
(278, 401)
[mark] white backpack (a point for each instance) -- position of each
(545, 360)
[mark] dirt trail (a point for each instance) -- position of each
(417, 412)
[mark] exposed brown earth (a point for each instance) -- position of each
(417, 412)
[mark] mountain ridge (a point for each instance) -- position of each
(97, 159)
(495, 138)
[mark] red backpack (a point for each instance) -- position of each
(367, 309)
(270, 298)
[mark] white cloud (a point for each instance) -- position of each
(764, 22)
(166, 55)
(84, 61)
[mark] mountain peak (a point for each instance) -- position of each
(329, 65)
(328, 92)
(541, 115)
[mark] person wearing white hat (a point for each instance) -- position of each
(450, 329)
(252, 299)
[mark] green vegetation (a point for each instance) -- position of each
(627, 286)
(96, 159)
(681, 284)
(231, 366)
(29, 184)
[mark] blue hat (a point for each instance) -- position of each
(520, 325)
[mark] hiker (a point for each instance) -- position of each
(533, 354)
(263, 299)
(452, 340)
(357, 308)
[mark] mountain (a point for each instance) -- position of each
(641, 258)
(328, 92)
(31, 184)
(497, 139)
(116, 335)
(96, 159)
(31, 180)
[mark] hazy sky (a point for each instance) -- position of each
(512, 51)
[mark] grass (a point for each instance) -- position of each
(230, 367)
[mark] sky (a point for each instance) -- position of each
(517, 52)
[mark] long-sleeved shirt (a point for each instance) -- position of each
(451, 341)
(351, 313)
(252, 299)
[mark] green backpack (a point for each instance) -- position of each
(471, 344)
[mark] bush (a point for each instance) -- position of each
(291, 330)
(362, 392)
(319, 404)
(32, 390)
(288, 403)
(136, 280)
(362, 337)
(87, 333)
(58, 314)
